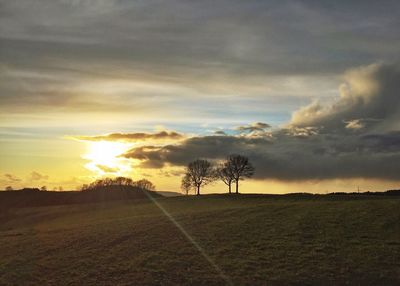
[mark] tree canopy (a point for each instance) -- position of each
(119, 183)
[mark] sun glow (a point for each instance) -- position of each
(104, 158)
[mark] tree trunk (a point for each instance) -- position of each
(230, 188)
(237, 186)
(198, 190)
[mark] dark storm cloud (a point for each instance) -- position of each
(389, 142)
(202, 147)
(326, 149)
(287, 157)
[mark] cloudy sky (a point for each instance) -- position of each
(308, 90)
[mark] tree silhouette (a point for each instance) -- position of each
(84, 187)
(122, 181)
(199, 173)
(240, 167)
(119, 183)
(145, 185)
(186, 184)
(224, 173)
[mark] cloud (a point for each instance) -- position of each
(12, 178)
(322, 34)
(288, 157)
(171, 173)
(107, 169)
(302, 132)
(257, 126)
(76, 56)
(35, 176)
(317, 144)
(358, 124)
(368, 99)
(220, 132)
(354, 124)
(132, 137)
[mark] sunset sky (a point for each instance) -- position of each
(308, 90)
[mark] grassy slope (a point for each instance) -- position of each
(253, 239)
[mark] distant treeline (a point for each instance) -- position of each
(118, 183)
(107, 184)
(104, 190)
(368, 193)
(386, 193)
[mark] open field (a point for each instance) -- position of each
(252, 240)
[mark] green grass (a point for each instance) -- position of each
(254, 240)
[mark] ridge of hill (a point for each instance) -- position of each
(31, 197)
(35, 197)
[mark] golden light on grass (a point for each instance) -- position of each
(104, 157)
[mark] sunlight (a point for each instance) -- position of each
(191, 240)
(104, 152)
(104, 158)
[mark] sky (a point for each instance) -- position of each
(308, 90)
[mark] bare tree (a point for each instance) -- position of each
(240, 167)
(186, 184)
(224, 173)
(199, 173)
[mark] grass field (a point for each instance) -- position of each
(240, 240)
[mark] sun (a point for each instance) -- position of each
(104, 157)
(105, 152)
